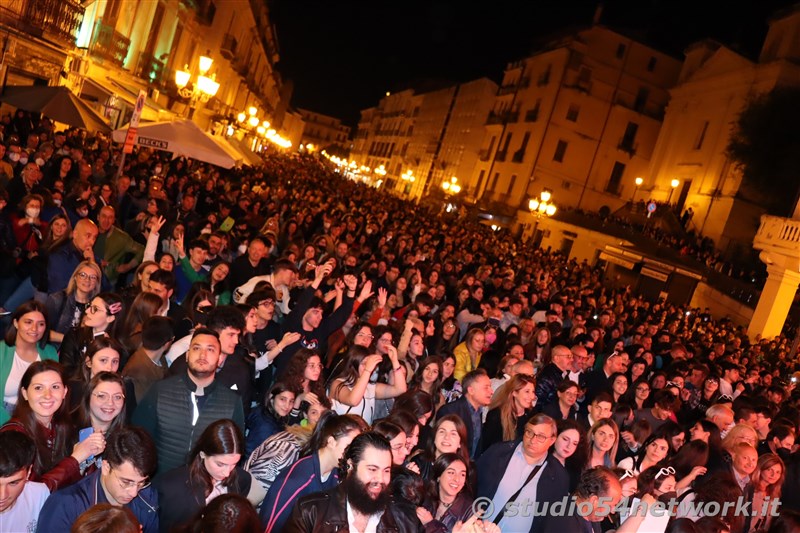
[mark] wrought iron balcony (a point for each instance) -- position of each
(56, 20)
(109, 44)
(150, 69)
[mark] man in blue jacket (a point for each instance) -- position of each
(123, 480)
(529, 476)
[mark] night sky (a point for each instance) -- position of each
(343, 55)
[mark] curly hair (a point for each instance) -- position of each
(294, 376)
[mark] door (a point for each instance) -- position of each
(682, 196)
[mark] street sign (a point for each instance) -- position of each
(130, 137)
(651, 207)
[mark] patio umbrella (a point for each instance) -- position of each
(56, 103)
(182, 137)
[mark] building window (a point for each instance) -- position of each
(627, 142)
(620, 51)
(698, 144)
(584, 77)
(616, 178)
(651, 65)
(641, 99)
(572, 112)
(494, 181)
(480, 182)
(511, 184)
(561, 149)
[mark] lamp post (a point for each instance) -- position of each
(673, 185)
(202, 89)
(542, 206)
(638, 181)
(451, 187)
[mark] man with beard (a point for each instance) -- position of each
(362, 502)
(177, 410)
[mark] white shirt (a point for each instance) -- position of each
(24, 514)
(516, 473)
(18, 368)
(372, 523)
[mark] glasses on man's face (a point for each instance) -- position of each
(538, 437)
(128, 484)
(267, 303)
(96, 309)
(85, 276)
(104, 397)
(642, 389)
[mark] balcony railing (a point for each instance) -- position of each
(627, 146)
(58, 20)
(109, 44)
(779, 234)
(150, 69)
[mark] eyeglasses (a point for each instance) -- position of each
(96, 309)
(643, 389)
(668, 471)
(85, 276)
(627, 474)
(128, 484)
(104, 397)
(267, 303)
(538, 437)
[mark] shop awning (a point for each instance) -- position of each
(102, 89)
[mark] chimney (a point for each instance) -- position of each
(598, 14)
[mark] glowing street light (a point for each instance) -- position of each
(452, 186)
(674, 185)
(638, 181)
(203, 89)
(542, 206)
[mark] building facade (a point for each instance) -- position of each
(325, 132)
(714, 86)
(417, 142)
(110, 49)
(580, 118)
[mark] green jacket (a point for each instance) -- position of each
(119, 245)
(7, 360)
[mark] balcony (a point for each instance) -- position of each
(518, 156)
(500, 156)
(56, 20)
(503, 117)
(641, 106)
(150, 69)
(627, 146)
(778, 234)
(483, 155)
(108, 44)
(532, 115)
(242, 67)
(228, 47)
(514, 87)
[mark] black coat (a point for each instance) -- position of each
(547, 381)
(180, 499)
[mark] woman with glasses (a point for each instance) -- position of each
(25, 342)
(102, 318)
(65, 308)
(564, 408)
(41, 413)
(101, 410)
(510, 409)
(396, 437)
(211, 471)
(638, 394)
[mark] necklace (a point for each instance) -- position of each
(445, 505)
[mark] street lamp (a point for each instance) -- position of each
(674, 185)
(204, 87)
(542, 205)
(638, 181)
(451, 187)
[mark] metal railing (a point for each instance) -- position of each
(109, 44)
(55, 19)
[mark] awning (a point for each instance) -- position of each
(250, 157)
(102, 89)
(230, 149)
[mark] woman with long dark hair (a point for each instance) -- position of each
(41, 413)
(272, 417)
(25, 342)
(212, 471)
(304, 376)
(449, 436)
(316, 471)
(429, 377)
(103, 318)
(102, 354)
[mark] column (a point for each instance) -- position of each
(775, 301)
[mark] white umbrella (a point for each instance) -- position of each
(182, 137)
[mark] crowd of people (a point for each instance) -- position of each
(282, 349)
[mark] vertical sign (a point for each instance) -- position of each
(134, 125)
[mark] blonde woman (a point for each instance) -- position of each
(65, 308)
(509, 411)
(468, 353)
(603, 440)
(740, 433)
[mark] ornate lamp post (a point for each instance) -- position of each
(202, 89)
